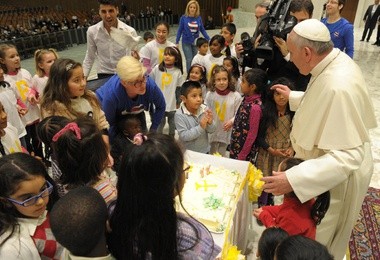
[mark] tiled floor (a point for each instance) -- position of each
(367, 57)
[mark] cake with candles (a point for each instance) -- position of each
(210, 195)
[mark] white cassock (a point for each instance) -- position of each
(330, 132)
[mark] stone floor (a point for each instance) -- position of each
(367, 56)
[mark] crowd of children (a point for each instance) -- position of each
(214, 110)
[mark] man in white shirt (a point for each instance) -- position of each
(101, 45)
(330, 132)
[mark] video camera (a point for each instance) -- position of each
(276, 22)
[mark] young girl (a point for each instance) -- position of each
(44, 59)
(295, 217)
(66, 95)
(26, 194)
(247, 119)
(269, 240)
(82, 157)
(273, 140)
(21, 82)
(197, 72)
(168, 76)
(215, 57)
(144, 223)
(232, 65)
(153, 52)
(9, 142)
(223, 101)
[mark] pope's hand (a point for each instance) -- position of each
(282, 89)
(277, 184)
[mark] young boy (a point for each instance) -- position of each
(202, 45)
(148, 36)
(193, 120)
(228, 32)
(78, 222)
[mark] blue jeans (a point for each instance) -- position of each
(190, 51)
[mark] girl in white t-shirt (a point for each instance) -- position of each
(43, 58)
(168, 76)
(21, 82)
(223, 101)
(215, 57)
(153, 52)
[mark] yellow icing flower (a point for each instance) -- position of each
(231, 253)
(255, 186)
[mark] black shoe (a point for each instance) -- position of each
(376, 43)
(362, 40)
(367, 40)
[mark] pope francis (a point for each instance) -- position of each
(330, 132)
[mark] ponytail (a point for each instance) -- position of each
(320, 207)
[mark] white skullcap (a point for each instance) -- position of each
(313, 29)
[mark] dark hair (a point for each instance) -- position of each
(222, 42)
(3, 48)
(57, 88)
(200, 41)
(269, 240)
(322, 202)
(258, 77)
(231, 27)
(81, 161)
(172, 51)
(83, 212)
(299, 248)
(270, 113)
(300, 5)
(14, 169)
(47, 128)
(341, 2)
(162, 23)
(235, 65)
(125, 121)
(203, 72)
(189, 85)
(148, 35)
(108, 2)
(217, 69)
(144, 219)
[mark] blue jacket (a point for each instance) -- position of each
(115, 102)
(189, 28)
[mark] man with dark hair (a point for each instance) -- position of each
(371, 17)
(78, 221)
(103, 45)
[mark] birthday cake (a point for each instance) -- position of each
(210, 195)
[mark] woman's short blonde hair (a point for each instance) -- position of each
(130, 69)
(198, 12)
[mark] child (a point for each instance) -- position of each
(82, 212)
(128, 127)
(202, 45)
(295, 217)
(66, 95)
(247, 119)
(9, 102)
(27, 193)
(268, 242)
(193, 120)
(9, 142)
(228, 18)
(44, 59)
(148, 36)
(144, 223)
(153, 52)
(21, 83)
(198, 73)
(82, 157)
(223, 101)
(273, 140)
(300, 248)
(232, 65)
(168, 76)
(228, 32)
(215, 57)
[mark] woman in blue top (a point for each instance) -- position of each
(341, 30)
(190, 25)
